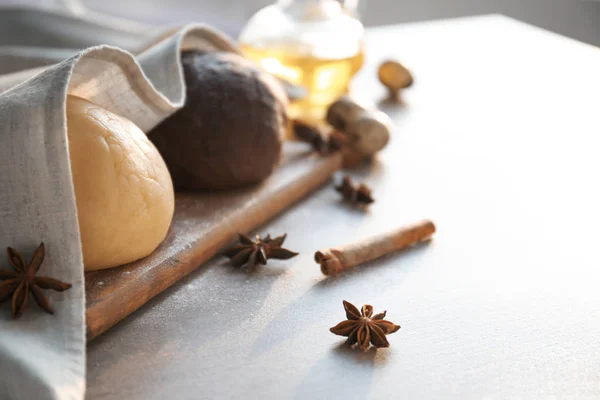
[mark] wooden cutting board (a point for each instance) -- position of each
(203, 224)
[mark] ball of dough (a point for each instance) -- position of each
(230, 131)
(124, 193)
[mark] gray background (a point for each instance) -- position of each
(576, 19)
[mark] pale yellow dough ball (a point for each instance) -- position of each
(124, 193)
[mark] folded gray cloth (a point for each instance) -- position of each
(42, 356)
(31, 37)
(60, 28)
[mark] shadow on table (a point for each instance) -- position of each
(350, 371)
(372, 356)
(392, 106)
(372, 171)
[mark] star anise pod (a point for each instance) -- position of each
(258, 251)
(356, 194)
(321, 142)
(22, 280)
(364, 328)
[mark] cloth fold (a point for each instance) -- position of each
(42, 356)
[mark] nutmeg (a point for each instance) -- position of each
(230, 131)
(368, 130)
(395, 77)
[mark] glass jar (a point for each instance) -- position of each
(317, 44)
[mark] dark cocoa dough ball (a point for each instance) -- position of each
(230, 131)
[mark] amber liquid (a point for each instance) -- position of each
(324, 79)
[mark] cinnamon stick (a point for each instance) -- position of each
(338, 259)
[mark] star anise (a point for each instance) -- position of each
(21, 280)
(356, 194)
(364, 328)
(258, 251)
(321, 142)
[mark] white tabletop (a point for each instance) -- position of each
(499, 145)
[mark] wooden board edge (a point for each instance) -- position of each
(98, 317)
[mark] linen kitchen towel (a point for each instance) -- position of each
(42, 356)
